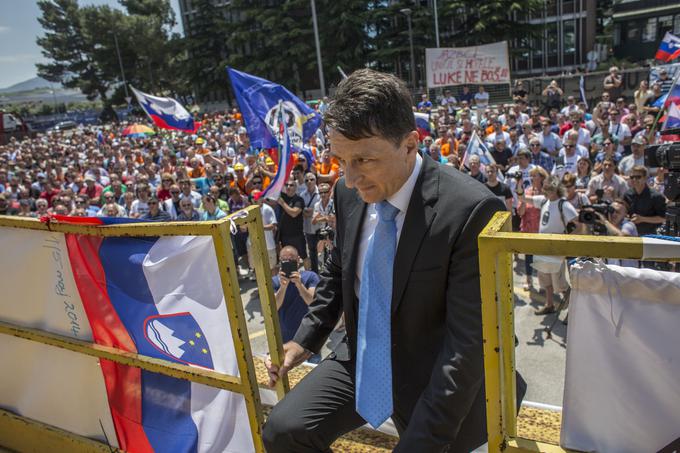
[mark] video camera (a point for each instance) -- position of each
(667, 155)
(587, 214)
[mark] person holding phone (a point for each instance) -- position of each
(294, 291)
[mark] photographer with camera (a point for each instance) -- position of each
(557, 217)
(324, 218)
(612, 185)
(294, 290)
(647, 206)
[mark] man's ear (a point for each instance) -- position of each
(412, 141)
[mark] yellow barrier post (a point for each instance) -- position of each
(496, 246)
(267, 300)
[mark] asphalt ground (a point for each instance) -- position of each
(540, 360)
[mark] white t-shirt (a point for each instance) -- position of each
(268, 218)
(512, 182)
(551, 220)
(620, 131)
(583, 137)
(139, 208)
(570, 164)
(482, 99)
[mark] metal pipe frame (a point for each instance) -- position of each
(30, 435)
(497, 244)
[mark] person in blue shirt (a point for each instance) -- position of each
(424, 105)
(212, 212)
(293, 294)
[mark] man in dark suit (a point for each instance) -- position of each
(413, 349)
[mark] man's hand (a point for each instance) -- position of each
(636, 219)
(295, 279)
(281, 202)
(293, 355)
(283, 279)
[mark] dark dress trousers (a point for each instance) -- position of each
(437, 358)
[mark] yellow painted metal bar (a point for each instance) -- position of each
(194, 374)
(141, 229)
(519, 445)
(506, 316)
(490, 334)
(27, 435)
(228, 271)
(267, 299)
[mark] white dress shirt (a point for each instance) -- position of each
(399, 200)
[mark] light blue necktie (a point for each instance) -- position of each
(374, 355)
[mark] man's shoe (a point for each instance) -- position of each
(545, 310)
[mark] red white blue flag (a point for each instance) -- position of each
(166, 113)
(160, 297)
(423, 125)
(669, 49)
(285, 163)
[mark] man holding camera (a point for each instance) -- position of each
(558, 216)
(294, 291)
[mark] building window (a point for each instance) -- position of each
(649, 32)
(676, 25)
(617, 35)
(633, 33)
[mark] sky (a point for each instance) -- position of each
(19, 28)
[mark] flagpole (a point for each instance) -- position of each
(663, 108)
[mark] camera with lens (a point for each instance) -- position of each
(326, 233)
(667, 155)
(588, 214)
(515, 175)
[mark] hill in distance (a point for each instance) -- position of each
(36, 83)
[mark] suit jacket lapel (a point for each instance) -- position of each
(419, 217)
(355, 219)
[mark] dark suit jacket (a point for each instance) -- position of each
(437, 359)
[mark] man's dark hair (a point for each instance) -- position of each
(370, 103)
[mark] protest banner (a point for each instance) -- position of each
(486, 64)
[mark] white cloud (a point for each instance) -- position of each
(4, 29)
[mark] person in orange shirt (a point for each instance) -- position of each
(195, 169)
(327, 170)
(240, 180)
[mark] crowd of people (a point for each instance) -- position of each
(560, 150)
(558, 159)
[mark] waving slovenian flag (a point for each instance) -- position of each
(166, 113)
(423, 125)
(285, 164)
(669, 49)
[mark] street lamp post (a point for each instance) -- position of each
(407, 12)
(122, 71)
(436, 24)
(318, 50)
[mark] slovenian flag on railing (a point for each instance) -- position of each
(166, 113)
(157, 296)
(669, 49)
(285, 163)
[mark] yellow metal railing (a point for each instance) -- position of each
(497, 244)
(23, 434)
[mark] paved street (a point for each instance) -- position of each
(539, 359)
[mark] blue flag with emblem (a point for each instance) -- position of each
(259, 101)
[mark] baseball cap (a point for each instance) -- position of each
(242, 130)
(239, 166)
(269, 161)
(638, 140)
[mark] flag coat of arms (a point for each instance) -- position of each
(160, 297)
(477, 147)
(669, 49)
(166, 113)
(260, 100)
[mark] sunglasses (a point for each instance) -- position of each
(323, 192)
(636, 176)
(289, 185)
(310, 180)
(569, 146)
(152, 203)
(257, 182)
(535, 145)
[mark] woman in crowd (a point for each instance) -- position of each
(583, 172)
(642, 94)
(211, 212)
(573, 196)
(530, 217)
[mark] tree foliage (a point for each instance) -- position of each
(80, 45)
